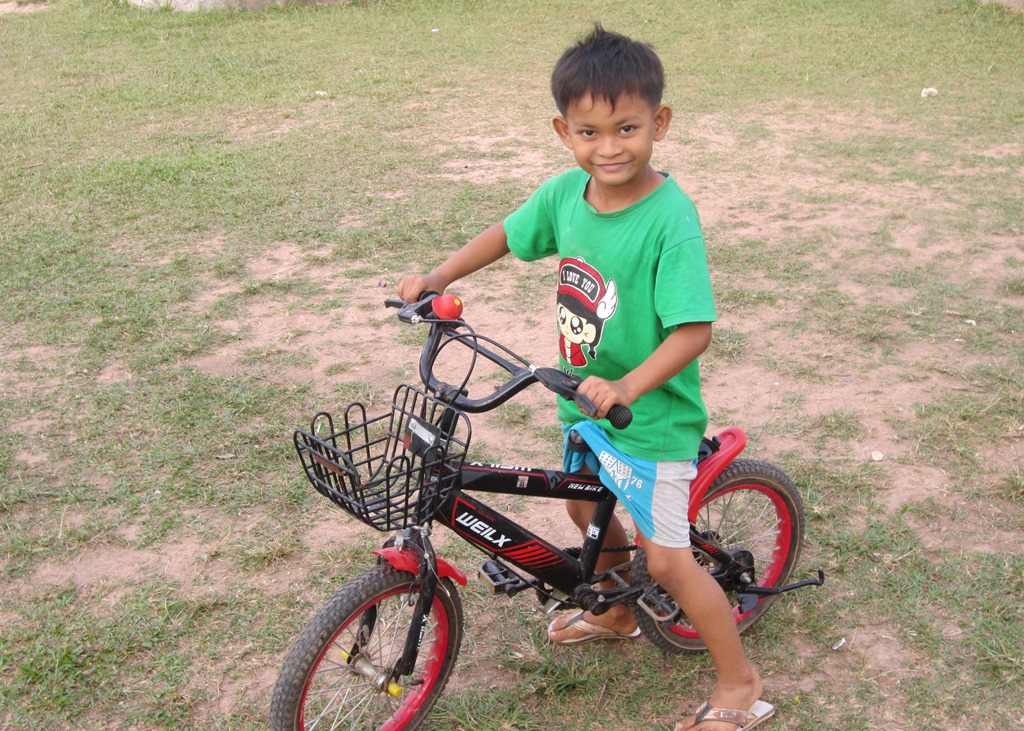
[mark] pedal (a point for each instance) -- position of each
(660, 607)
(500, 579)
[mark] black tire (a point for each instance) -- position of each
(318, 681)
(751, 505)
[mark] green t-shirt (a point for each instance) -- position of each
(625, 281)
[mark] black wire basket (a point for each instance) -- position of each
(392, 471)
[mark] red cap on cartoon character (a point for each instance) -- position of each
(578, 279)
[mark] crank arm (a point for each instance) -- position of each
(773, 590)
(599, 602)
(748, 597)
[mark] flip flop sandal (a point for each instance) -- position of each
(590, 631)
(743, 720)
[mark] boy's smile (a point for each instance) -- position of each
(614, 145)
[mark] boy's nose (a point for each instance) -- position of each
(609, 146)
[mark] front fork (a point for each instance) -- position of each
(426, 581)
(396, 551)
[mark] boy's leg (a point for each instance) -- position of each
(706, 606)
(620, 618)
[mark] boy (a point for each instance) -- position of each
(634, 310)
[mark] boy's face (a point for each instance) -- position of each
(613, 144)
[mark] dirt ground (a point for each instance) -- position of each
(747, 393)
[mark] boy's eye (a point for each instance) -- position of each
(587, 133)
(627, 129)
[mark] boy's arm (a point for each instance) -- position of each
(679, 350)
(480, 251)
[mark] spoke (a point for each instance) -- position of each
(724, 506)
(362, 701)
(749, 539)
(328, 706)
(336, 667)
(740, 527)
(393, 630)
(325, 691)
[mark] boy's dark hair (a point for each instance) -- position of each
(607, 65)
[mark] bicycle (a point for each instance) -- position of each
(377, 655)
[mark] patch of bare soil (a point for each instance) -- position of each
(1013, 5)
(13, 7)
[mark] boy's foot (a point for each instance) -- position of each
(577, 628)
(724, 710)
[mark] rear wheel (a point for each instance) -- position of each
(751, 506)
(337, 674)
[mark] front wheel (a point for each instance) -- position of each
(337, 674)
(751, 506)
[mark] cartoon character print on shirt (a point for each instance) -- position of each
(585, 302)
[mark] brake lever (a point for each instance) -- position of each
(565, 386)
(557, 382)
(413, 312)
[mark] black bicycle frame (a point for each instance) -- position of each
(495, 534)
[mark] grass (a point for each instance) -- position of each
(202, 211)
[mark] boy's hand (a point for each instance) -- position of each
(413, 285)
(605, 394)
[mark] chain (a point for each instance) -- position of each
(619, 549)
(575, 551)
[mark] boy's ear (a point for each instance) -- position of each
(562, 130)
(662, 119)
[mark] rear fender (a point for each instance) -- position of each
(405, 559)
(733, 440)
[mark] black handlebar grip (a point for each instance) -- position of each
(620, 416)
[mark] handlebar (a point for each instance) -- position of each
(446, 327)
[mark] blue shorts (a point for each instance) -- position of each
(656, 494)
